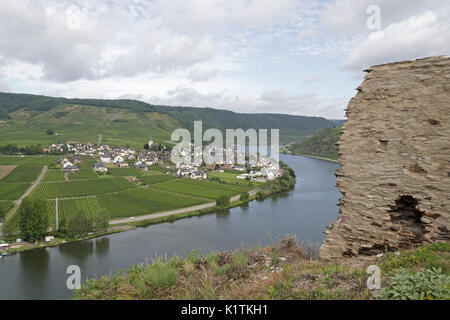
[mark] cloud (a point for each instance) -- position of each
(418, 36)
(4, 87)
(349, 17)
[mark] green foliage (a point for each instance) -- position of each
(240, 260)
(79, 225)
(261, 195)
(83, 119)
(321, 144)
(223, 201)
(160, 275)
(33, 219)
(101, 221)
(2, 212)
(245, 196)
(429, 284)
(23, 173)
(50, 132)
(430, 256)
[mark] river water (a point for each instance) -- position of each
(303, 212)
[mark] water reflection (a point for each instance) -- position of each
(77, 250)
(102, 246)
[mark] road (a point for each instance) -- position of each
(175, 212)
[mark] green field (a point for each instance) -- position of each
(68, 189)
(143, 201)
(68, 207)
(6, 206)
(23, 173)
(230, 177)
(12, 190)
(53, 175)
(36, 160)
(157, 178)
(210, 190)
(124, 172)
(84, 174)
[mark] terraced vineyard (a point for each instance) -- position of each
(210, 190)
(12, 190)
(68, 189)
(23, 173)
(144, 201)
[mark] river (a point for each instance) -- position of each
(303, 212)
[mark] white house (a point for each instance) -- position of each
(105, 159)
(118, 159)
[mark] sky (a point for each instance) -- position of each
(300, 57)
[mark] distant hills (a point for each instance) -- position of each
(322, 144)
(25, 119)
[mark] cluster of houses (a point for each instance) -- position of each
(121, 156)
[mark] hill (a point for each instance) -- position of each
(25, 119)
(322, 144)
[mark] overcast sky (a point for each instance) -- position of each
(279, 56)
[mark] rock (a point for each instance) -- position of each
(394, 152)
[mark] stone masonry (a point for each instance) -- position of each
(395, 161)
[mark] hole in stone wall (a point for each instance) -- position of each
(407, 218)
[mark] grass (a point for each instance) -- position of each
(23, 173)
(436, 255)
(243, 274)
(67, 189)
(12, 190)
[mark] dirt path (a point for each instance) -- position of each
(27, 193)
(175, 212)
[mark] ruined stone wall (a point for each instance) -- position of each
(395, 161)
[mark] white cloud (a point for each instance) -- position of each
(4, 87)
(416, 37)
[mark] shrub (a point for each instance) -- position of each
(429, 284)
(245, 196)
(159, 275)
(240, 260)
(260, 195)
(223, 201)
(78, 225)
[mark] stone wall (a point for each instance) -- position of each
(395, 161)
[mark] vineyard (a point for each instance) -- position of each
(53, 175)
(210, 190)
(68, 189)
(23, 173)
(83, 174)
(143, 201)
(37, 160)
(124, 172)
(152, 179)
(67, 207)
(12, 190)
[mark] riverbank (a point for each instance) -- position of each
(284, 271)
(265, 190)
(309, 156)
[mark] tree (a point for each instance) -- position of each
(2, 213)
(223, 201)
(33, 219)
(78, 225)
(101, 221)
(50, 132)
(146, 146)
(245, 196)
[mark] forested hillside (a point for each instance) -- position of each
(25, 119)
(322, 144)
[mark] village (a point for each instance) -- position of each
(126, 157)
